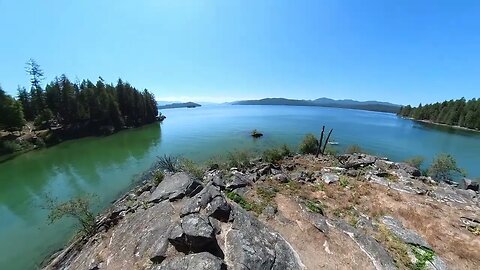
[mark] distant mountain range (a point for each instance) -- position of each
(178, 105)
(326, 102)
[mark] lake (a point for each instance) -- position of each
(108, 166)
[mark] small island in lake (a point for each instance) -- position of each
(179, 105)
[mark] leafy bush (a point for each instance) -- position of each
(76, 208)
(415, 161)
(43, 118)
(444, 167)
(352, 149)
(168, 163)
(309, 144)
(274, 155)
(239, 159)
(8, 147)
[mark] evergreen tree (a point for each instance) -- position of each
(36, 92)
(453, 112)
(11, 112)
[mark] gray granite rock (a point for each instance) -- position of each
(407, 236)
(251, 245)
(174, 187)
(198, 261)
(329, 178)
(376, 252)
(359, 160)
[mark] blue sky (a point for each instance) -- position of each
(399, 51)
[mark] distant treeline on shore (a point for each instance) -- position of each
(459, 112)
(65, 103)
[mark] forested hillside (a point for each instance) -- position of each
(65, 103)
(454, 112)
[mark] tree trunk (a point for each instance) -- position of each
(320, 142)
(326, 141)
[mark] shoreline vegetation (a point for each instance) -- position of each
(444, 125)
(458, 113)
(376, 106)
(179, 105)
(64, 110)
(331, 189)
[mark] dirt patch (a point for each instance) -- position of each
(316, 249)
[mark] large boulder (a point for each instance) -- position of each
(409, 169)
(198, 261)
(174, 187)
(359, 160)
(238, 180)
(194, 233)
(200, 200)
(251, 245)
(469, 184)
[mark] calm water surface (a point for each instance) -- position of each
(106, 166)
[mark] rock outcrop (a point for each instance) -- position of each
(349, 212)
(181, 224)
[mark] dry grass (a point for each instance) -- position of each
(395, 247)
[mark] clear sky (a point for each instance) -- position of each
(399, 51)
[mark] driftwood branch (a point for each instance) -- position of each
(326, 141)
(320, 142)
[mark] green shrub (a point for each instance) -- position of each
(267, 193)
(352, 149)
(415, 161)
(444, 167)
(423, 255)
(168, 163)
(309, 144)
(192, 168)
(8, 147)
(331, 151)
(76, 208)
(314, 207)
(158, 177)
(343, 181)
(274, 155)
(239, 159)
(240, 200)
(43, 118)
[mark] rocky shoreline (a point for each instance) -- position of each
(347, 212)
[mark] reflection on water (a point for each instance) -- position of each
(102, 166)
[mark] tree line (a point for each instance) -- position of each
(66, 103)
(458, 112)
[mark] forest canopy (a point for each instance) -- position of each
(65, 103)
(454, 112)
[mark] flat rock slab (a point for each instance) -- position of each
(139, 238)
(251, 245)
(174, 187)
(407, 236)
(198, 261)
(376, 252)
(359, 160)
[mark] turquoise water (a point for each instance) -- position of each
(106, 166)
